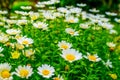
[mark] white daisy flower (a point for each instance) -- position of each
(48, 15)
(24, 71)
(22, 22)
(63, 10)
(93, 57)
(13, 31)
(5, 73)
(71, 31)
(41, 25)
(84, 26)
(111, 44)
(71, 55)
(108, 63)
(111, 13)
(71, 19)
(94, 10)
(75, 10)
(106, 25)
(117, 20)
(81, 5)
(34, 16)
(112, 31)
(4, 38)
(58, 78)
(29, 52)
(64, 45)
(11, 21)
(26, 7)
(46, 71)
(25, 41)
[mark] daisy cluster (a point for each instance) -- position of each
(59, 43)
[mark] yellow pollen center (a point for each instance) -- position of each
(24, 73)
(71, 21)
(5, 74)
(56, 78)
(72, 32)
(34, 17)
(92, 57)
(45, 72)
(25, 42)
(70, 57)
(64, 46)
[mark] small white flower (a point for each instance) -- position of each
(111, 44)
(5, 73)
(113, 31)
(21, 22)
(93, 57)
(24, 71)
(46, 71)
(94, 10)
(84, 26)
(71, 31)
(64, 45)
(111, 13)
(41, 25)
(48, 15)
(25, 41)
(3, 38)
(117, 20)
(71, 55)
(26, 7)
(33, 15)
(58, 78)
(81, 5)
(71, 19)
(63, 10)
(29, 52)
(13, 31)
(75, 10)
(108, 63)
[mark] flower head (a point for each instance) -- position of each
(71, 55)
(46, 71)
(58, 78)
(93, 58)
(24, 71)
(71, 31)
(5, 71)
(64, 45)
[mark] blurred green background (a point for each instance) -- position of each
(103, 5)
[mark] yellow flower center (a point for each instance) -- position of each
(71, 32)
(70, 57)
(40, 26)
(24, 72)
(45, 72)
(71, 21)
(14, 33)
(92, 57)
(34, 17)
(5, 74)
(25, 42)
(56, 78)
(64, 46)
(119, 20)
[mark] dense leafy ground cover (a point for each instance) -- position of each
(65, 43)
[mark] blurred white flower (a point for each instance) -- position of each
(108, 63)
(71, 31)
